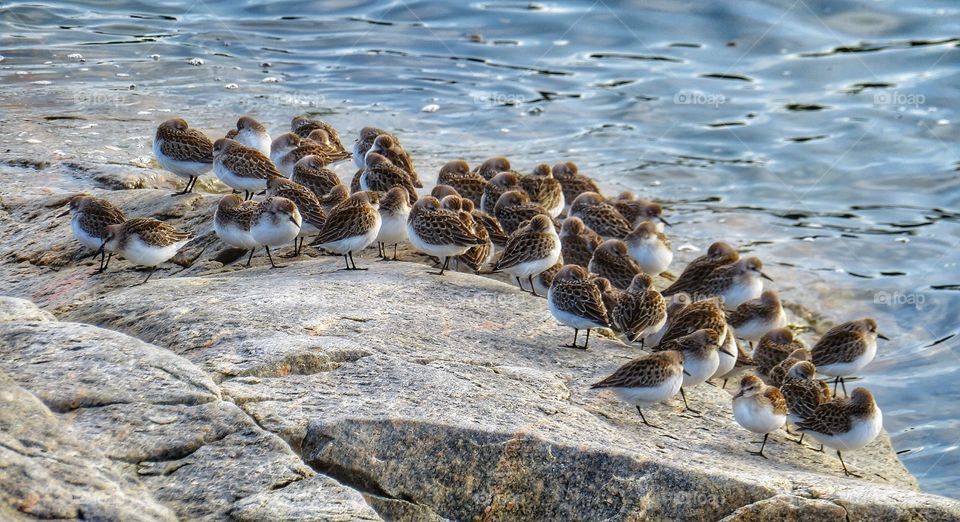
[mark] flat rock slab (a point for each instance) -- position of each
(451, 395)
(156, 422)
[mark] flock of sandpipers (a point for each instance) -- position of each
(594, 269)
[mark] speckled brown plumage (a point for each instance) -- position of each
(311, 173)
(706, 314)
(773, 348)
(381, 175)
(600, 216)
(578, 242)
(354, 217)
(718, 254)
(645, 372)
(306, 201)
(610, 260)
(179, 142)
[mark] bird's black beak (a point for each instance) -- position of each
(881, 336)
(294, 221)
(65, 213)
(685, 372)
(765, 276)
(738, 395)
(724, 350)
(665, 222)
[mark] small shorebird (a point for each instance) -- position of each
(477, 257)
(311, 213)
(394, 212)
(775, 346)
(752, 319)
(498, 236)
(779, 372)
(381, 175)
(700, 357)
(675, 304)
(91, 217)
(578, 242)
(317, 144)
(759, 408)
(646, 380)
(514, 208)
(845, 424)
(351, 226)
(729, 353)
(496, 187)
(845, 349)
(600, 216)
(311, 173)
(186, 152)
(543, 280)
(803, 392)
(719, 254)
(231, 222)
(637, 210)
(251, 133)
(438, 232)
(735, 283)
(640, 311)
(575, 301)
(386, 146)
(544, 189)
(652, 249)
(530, 250)
(303, 126)
(469, 185)
(611, 260)
(337, 195)
(275, 222)
(493, 166)
(364, 142)
(144, 241)
(572, 182)
(242, 168)
(705, 314)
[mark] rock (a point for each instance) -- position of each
(298, 502)
(14, 309)
(788, 508)
(449, 397)
(49, 472)
(159, 418)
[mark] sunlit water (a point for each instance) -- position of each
(820, 135)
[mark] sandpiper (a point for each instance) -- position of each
(651, 248)
(186, 152)
(91, 217)
(442, 191)
(675, 304)
(544, 189)
(351, 226)
(394, 212)
(303, 126)
(575, 301)
(637, 210)
(775, 346)
(845, 349)
(779, 372)
(611, 299)
(231, 222)
(759, 408)
(845, 424)
(611, 260)
(803, 392)
(251, 133)
(514, 208)
(530, 250)
(311, 213)
(729, 353)
(478, 256)
(385, 145)
(700, 357)
(318, 144)
(600, 216)
(754, 318)
(493, 166)
(705, 314)
(311, 173)
(438, 232)
(364, 142)
(496, 187)
(647, 380)
(275, 222)
(337, 195)
(718, 254)
(543, 280)
(283, 145)
(469, 185)
(572, 181)
(641, 311)
(144, 241)
(242, 168)
(498, 236)
(381, 175)
(578, 242)
(735, 283)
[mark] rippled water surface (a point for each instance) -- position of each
(822, 135)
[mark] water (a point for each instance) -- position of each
(818, 134)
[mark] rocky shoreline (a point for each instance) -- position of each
(308, 393)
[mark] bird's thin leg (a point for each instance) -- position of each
(587, 342)
(394, 251)
(845, 470)
(346, 260)
(644, 419)
(520, 284)
(687, 406)
(836, 381)
(533, 289)
(574, 344)
(152, 269)
(250, 257)
(271, 259)
(760, 453)
(844, 387)
(446, 263)
(354, 263)
(724, 384)
(192, 183)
